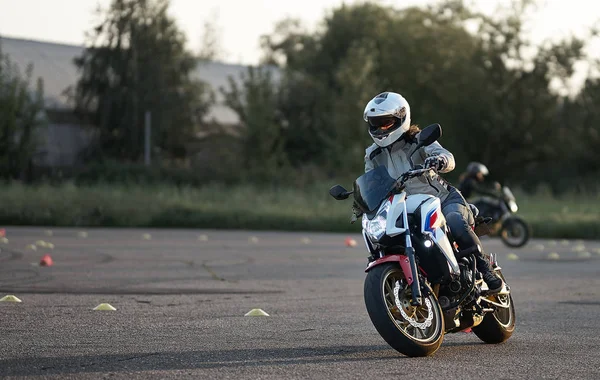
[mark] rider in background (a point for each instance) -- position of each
(388, 116)
(471, 182)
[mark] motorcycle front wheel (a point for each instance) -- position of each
(412, 331)
(515, 232)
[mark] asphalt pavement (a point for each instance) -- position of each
(181, 296)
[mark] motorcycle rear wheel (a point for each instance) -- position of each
(498, 326)
(412, 331)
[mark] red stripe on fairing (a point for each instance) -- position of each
(433, 219)
(401, 259)
(430, 220)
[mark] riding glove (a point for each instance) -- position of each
(436, 162)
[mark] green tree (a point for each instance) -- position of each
(21, 107)
(578, 131)
(322, 95)
(255, 101)
(362, 50)
(138, 63)
(517, 109)
(210, 46)
(294, 50)
(494, 93)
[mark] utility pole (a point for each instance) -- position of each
(147, 132)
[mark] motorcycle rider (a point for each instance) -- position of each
(470, 182)
(388, 116)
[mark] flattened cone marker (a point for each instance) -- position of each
(256, 313)
(584, 255)
(512, 256)
(104, 306)
(10, 298)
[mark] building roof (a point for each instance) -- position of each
(53, 62)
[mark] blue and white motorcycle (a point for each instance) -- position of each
(419, 286)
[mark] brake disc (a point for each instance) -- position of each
(412, 321)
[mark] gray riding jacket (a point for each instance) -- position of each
(395, 159)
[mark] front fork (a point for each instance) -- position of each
(415, 286)
(407, 262)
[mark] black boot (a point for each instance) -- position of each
(466, 238)
(490, 277)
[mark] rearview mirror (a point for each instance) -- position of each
(430, 134)
(339, 193)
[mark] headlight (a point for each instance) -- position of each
(365, 222)
(376, 227)
(513, 206)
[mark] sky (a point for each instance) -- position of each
(240, 23)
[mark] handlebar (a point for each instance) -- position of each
(412, 174)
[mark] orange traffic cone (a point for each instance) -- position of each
(2, 232)
(46, 261)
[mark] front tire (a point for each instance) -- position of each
(515, 232)
(412, 331)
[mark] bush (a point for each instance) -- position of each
(244, 207)
(138, 174)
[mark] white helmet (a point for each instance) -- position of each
(388, 115)
(477, 167)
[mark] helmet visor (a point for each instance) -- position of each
(382, 125)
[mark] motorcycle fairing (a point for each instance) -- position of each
(395, 212)
(430, 206)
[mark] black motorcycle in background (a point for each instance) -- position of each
(503, 222)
